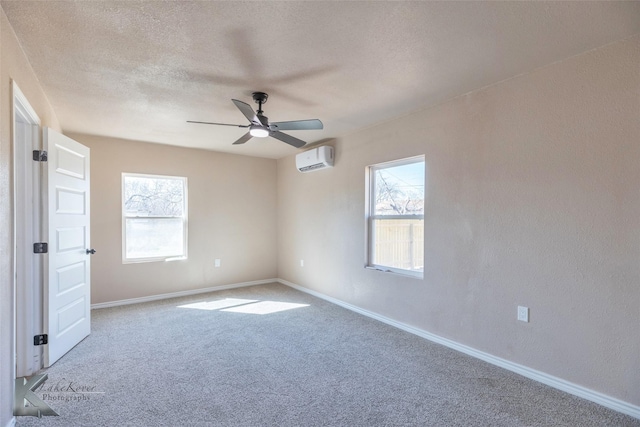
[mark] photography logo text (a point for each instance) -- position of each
(28, 403)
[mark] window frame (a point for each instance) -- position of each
(184, 217)
(371, 217)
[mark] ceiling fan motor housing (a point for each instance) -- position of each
(264, 120)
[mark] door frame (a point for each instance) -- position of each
(27, 229)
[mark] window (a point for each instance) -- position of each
(396, 216)
(154, 218)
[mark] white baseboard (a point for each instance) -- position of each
(12, 422)
(550, 380)
(179, 294)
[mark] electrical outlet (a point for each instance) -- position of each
(301, 263)
(523, 313)
(217, 262)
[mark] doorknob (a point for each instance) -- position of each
(91, 251)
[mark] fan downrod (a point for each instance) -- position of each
(260, 98)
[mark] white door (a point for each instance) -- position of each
(67, 281)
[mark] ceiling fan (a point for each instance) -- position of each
(260, 127)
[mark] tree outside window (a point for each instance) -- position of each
(154, 212)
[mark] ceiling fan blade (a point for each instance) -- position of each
(244, 138)
(298, 125)
(220, 124)
(287, 138)
(247, 111)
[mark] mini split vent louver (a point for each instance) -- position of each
(315, 159)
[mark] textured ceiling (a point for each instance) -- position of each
(140, 69)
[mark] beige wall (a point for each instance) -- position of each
(13, 66)
(232, 216)
(532, 199)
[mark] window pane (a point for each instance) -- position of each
(399, 190)
(154, 237)
(398, 243)
(145, 196)
(396, 212)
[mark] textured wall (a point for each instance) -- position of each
(13, 66)
(532, 199)
(232, 216)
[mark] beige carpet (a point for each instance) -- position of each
(272, 356)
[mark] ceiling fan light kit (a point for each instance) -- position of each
(260, 127)
(258, 131)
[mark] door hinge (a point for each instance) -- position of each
(40, 339)
(40, 248)
(39, 155)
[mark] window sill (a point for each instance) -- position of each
(410, 275)
(143, 260)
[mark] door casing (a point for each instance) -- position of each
(27, 230)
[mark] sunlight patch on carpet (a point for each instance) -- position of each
(265, 307)
(248, 306)
(218, 304)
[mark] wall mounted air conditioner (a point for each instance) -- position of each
(315, 159)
